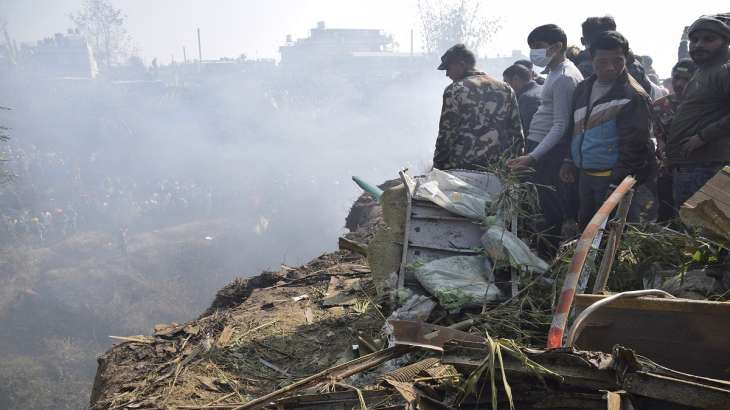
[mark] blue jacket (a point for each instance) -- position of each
(614, 133)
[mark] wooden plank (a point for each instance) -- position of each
(613, 401)
(406, 238)
(717, 189)
(685, 341)
(331, 375)
(352, 246)
(721, 197)
(698, 197)
(334, 401)
(677, 391)
(709, 214)
(663, 305)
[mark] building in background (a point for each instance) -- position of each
(325, 45)
(61, 56)
(495, 66)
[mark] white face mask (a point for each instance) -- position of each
(540, 57)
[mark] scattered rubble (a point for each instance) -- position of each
(346, 332)
(269, 337)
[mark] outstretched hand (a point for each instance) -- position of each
(522, 162)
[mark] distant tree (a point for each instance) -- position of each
(8, 50)
(136, 62)
(4, 137)
(448, 22)
(103, 27)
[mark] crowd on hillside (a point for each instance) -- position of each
(52, 196)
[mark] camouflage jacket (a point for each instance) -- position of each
(480, 122)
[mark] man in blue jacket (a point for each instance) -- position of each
(594, 26)
(610, 127)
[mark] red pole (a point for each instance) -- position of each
(560, 317)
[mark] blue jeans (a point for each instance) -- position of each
(688, 179)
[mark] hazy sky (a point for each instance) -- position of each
(160, 28)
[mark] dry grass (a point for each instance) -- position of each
(267, 344)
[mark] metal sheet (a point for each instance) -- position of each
(435, 233)
(426, 335)
(686, 335)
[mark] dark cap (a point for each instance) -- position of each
(609, 40)
(685, 66)
(718, 24)
(456, 53)
(525, 63)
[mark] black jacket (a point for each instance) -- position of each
(528, 100)
(614, 133)
(705, 111)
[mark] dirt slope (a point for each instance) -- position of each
(259, 334)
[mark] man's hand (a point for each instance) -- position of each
(522, 162)
(691, 144)
(567, 173)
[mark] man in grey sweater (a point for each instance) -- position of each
(545, 152)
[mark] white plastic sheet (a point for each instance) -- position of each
(454, 194)
(415, 307)
(459, 281)
(503, 246)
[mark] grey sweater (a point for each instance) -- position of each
(548, 124)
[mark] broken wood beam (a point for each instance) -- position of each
(339, 372)
(353, 246)
(676, 391)
(574, 370)
(585, 371)
(428, 336)
(336, 373)
(340, 399)
(709, 208)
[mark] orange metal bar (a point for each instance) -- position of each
(560, 317)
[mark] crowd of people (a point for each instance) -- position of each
(51, 197)
(600, 114)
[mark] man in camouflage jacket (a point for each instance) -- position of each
(480, 120)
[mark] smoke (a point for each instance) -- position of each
(134, 201)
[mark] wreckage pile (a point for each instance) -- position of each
(348, 331)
